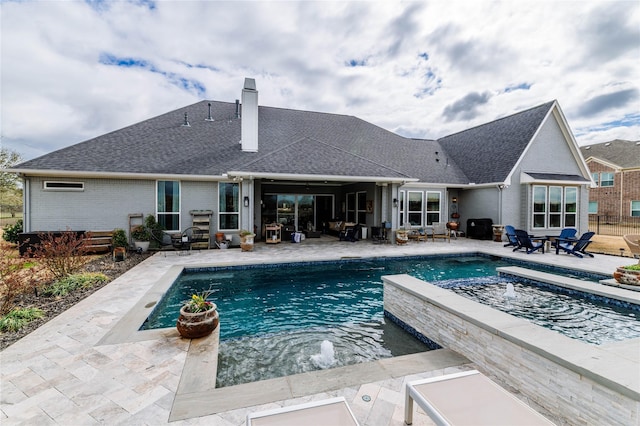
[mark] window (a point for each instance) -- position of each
(570, 207)
(593, 207)
(229, 206)
(539, 206)
(168, 204)
(595, 176)
(606, 179)
(351, 207)
(63, 186)
(361, 207)
(433, 207)
(414, 212)
(555, 206)
(635, 208)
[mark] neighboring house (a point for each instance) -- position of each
(615, 169)
(253, 165)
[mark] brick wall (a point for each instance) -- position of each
(615, 200)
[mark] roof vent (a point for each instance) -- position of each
(237, 108)
(186, 121)
(209, 118)
(607, 144)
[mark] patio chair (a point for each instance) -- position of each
(332, 411)
(633, 241)
(565, 234)
(468, 398)
(575, 247)
(440, 231)
(510, 233)
(526, 242)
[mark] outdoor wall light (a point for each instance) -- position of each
(246, 201)
(454, 200)
(395, 202)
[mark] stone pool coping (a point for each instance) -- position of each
(542, 364)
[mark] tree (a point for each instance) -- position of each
(10, 191)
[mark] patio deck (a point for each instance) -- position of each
(59, 374)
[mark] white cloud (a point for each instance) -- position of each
(406, 66)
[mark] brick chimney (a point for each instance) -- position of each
(249, 117)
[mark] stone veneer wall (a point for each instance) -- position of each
(527, 357)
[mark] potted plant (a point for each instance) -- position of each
(246, 240)
(141, 237)
(198, 316)
(629, 274)
(119, 243)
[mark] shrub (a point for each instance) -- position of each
(62, 255)
(140, 233)
(14, 279)
(18, 318)
(11, 232)
(72, 283)
(119, 238)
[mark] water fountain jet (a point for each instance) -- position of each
(326, 357)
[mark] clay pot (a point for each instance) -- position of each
(195, 325)
(246, 242)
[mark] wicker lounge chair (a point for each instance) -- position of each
(633, 241)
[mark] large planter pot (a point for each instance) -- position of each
(246, 242)
(627, 276)
(141, 246)
(196, 325)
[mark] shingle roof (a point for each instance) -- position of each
(297, 142)
(624, 154)
(488, 153)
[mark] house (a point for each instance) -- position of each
(252, 165)
(615, 169)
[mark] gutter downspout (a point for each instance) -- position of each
(26, 205)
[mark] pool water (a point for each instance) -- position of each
(274, 318)
(258, 300)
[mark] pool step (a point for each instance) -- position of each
(572, 283)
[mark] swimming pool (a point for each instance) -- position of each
(275, 318)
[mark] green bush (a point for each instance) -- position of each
(18, 318)
(119, 238)
(11, 232)
(73, 282)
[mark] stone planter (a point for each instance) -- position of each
(195, 325)
(141, 246)
(246, 242)
(627, 276)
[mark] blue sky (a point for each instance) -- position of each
(73, 70)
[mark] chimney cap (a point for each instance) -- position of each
(250, 83)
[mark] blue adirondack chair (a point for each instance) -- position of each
(576, 247)
(510, 232)
(525, 242)
(565, 234)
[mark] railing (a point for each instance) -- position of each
(614, 225)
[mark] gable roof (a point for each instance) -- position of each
(499, 143)
(295, 143)
(618, 153)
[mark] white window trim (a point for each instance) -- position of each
(179, 213)
(426, 206)
(238, 212)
